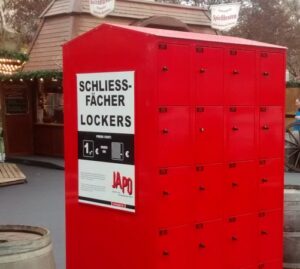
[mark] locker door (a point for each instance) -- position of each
(240, 242)
(209, 134)
(240, 88)
(209, 76)
(175, 136)
(175, 248)
(207, 246)
(208, 200)
(270, 184)
(271, 78)
(240, 133)
(240, 191)
(174, 74)
(270, 242)
(271, 132)
(175, 186)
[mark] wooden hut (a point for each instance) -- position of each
(62, 21)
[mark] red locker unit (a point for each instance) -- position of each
(174, 150)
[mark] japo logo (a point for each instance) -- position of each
(123, 183)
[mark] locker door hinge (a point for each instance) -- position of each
(232, 219)
(199, 168)
(199, 49)
(199, 226)
(233, 52)
(261, 214)
(162, 46)
(163, 171)
(232, 165)
(163, 232)
(163, 109)
(262, 162)
(264, 55)
(200, 109)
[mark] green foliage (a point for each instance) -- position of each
(33, 75)
(275, 22)
(14, 55)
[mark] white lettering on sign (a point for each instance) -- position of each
(106, 102)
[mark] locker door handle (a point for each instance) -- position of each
(165, 69)
(166, 193)
(234, 184)
(264, 180)
(166, 253)
(266, 127)
(235, 72)
(266, 74)
(165, 131)
(263, 232)
(202, 70)
(235, 128)
(202, 130)
(201, 245)
(234, 238)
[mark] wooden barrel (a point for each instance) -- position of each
(25, 247)
(292, 227)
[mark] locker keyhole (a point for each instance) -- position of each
(235, 128)
(165, 69)
(234, 238)
(266, 74)
(201, 245)
(234, 184)
(166, 193)
(235, 72)
(202, 130)
(263, 232)
(266, 127)
(202, 70)
(166, 253)
(201, 188)
(165, 131)
(264, 180)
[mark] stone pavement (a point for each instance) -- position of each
(41, 202)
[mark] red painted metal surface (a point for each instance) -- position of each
(209, 176)
(209, 134)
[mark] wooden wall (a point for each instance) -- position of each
(291, 95)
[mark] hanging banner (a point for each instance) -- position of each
(225, 16)
(101, 8)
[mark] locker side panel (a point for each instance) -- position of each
(112, 233)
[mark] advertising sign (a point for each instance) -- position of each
(100, 8)
(224, 16)
(106, 139)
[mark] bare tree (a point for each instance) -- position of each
(21, 17)
(276, 22)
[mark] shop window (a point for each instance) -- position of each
(49, 102)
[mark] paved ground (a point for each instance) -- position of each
(41, 202)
